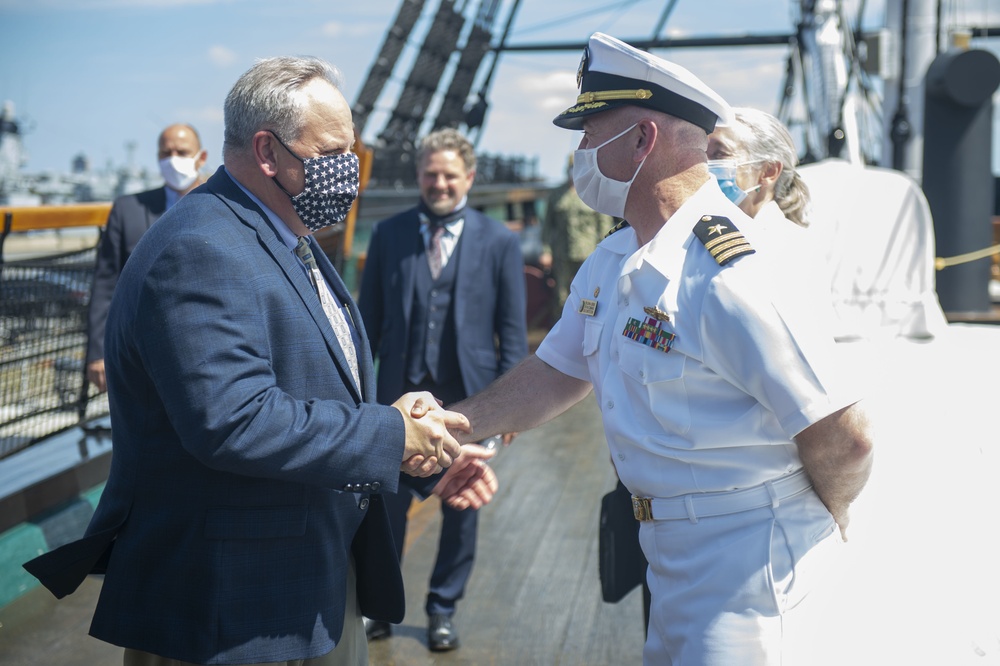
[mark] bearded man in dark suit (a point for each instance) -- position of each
(443, 301)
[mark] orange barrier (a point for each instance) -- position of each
(31, 218)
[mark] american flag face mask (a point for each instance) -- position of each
(331, 186)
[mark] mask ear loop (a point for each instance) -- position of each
(275, 176)
(617, 136)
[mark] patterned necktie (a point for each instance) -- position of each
(330, 307)
(435, 256)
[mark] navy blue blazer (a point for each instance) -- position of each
(489, 299)
(244, 457)
(131, 216)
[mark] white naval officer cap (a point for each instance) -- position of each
(613, 74)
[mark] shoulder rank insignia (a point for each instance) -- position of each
(722, 239)
(618, 227)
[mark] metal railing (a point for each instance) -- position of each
(43, 340)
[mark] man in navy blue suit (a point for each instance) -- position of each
(242, 521)
(443, 301)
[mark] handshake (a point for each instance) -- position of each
(431, 446)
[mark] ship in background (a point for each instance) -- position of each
(81, 184)
(850, 93)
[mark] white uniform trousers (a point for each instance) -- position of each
(723, 587)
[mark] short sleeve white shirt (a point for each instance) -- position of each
(737, 368)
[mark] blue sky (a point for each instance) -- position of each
(90, 76)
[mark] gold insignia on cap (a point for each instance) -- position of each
(724, 247)
(656, 313)
(584, 59)
(611, 95)
(583, 107)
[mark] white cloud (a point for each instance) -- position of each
(353, 29)
(548, 91)
(222, 56)
(205, 114)
(332, 29)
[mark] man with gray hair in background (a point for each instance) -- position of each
(242, 520)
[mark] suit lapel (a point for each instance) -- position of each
(411, 247)
(245, 209)
(469, 265)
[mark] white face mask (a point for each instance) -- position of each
(594, 188)
(179, 172)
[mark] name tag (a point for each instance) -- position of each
(588, 307)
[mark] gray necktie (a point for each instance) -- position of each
(435, 255)
(330, 307)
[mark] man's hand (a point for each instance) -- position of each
(429, 444)
(469, 482)
(96, 376)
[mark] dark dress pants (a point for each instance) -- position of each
(457, 544)
(455, 555)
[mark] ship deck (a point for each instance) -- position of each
(919, 583)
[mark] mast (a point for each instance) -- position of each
(385, 62)
(915, 21)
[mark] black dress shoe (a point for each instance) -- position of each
(441, 634)
(376, 629)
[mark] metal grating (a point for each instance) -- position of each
(43, 339)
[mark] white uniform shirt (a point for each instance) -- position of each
(747, 369)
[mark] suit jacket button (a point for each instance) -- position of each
(363, 504)
(375, 486)
(367, 487)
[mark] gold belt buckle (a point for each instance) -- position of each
(642, 508)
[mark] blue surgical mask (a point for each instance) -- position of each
(725, 173)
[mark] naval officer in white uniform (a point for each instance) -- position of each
(724, 406)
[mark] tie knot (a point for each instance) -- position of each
(302, 249)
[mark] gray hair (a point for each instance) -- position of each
(448, 139)
(763, 137)
(265, 98)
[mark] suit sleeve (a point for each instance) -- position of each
(212, 320)
(511, 307)
(106, 271)
(370, 294)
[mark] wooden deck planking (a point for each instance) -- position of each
(534, 596)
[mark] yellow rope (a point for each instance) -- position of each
(942, 262)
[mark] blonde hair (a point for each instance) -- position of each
(763, 137)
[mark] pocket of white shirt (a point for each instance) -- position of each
(592, 329)
(650, 366)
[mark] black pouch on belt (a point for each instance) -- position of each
(620, 559)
